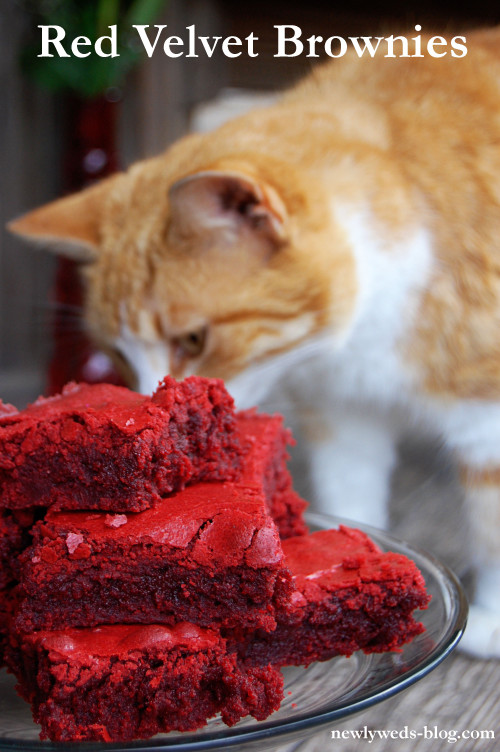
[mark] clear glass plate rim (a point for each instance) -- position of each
(267, 730)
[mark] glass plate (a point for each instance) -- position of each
(315, 697)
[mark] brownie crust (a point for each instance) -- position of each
(348, 596)
(104, 447)
(122, 683)
(212, 558)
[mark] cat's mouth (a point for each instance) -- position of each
(254, 384)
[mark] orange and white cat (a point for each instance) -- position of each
(344, 244)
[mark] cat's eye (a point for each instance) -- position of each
(192, 344)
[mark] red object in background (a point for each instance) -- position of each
(90, 154)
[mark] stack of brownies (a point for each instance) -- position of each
(155, 567)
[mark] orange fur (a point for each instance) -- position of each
(399, 125)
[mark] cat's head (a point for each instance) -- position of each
(216, 271)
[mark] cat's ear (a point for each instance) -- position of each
(227, 202)
(68, 226)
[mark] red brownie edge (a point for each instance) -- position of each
(264, 441)
(104, 447)
(168, 679)
(348, 596)
(214, 557)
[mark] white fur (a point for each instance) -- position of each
(150, 360)
(352, 385)
(253, 385)
(482, 636)
(472, 429)
(391, 276)
(350, 471)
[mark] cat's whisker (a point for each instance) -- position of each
(302, 353)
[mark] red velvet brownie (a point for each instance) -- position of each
(211, 555)
(264, 442)
(10, 545)
(14, 538)
(120, 683)
(104, 447)
(349, 595)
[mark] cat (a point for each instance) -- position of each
(341, 244)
